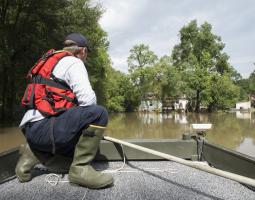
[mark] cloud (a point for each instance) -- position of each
(157, 24)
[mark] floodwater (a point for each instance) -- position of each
(232, 130)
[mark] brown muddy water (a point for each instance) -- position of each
(232, 130)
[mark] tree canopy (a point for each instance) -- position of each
(200, 58)
(197, 68)
(29, 28)
(141, 56)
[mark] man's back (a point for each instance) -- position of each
(71, 70)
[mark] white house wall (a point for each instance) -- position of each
(243, 105)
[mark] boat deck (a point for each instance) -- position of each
(136, 180)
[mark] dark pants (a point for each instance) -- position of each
(66, 129)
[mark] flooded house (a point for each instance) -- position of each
(150, 103)
(175, 103)
(243, 105)
(181, 104)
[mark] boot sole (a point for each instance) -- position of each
(74, 181)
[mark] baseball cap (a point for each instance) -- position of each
(79, 39)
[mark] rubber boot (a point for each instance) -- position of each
(81, 172)
(26, 163)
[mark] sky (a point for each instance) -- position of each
(157, 23)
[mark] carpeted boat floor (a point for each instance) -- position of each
(137, 180)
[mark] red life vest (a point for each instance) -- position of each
(45, 92)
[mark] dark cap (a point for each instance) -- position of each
(79, 39)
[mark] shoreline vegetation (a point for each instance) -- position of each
(197, 68)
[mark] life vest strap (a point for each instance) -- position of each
(45, 81)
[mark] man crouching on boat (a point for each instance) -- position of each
(63, 125)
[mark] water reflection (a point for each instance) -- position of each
(146, 125)
(247, 147)
(243, 115)
(232, 130)
(10, 137)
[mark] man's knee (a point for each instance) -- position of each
(102, 115)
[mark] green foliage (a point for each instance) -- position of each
(122, 95)
(252, 83)
(197, 67)
(115, 104)
(168, 80)
(132, 97)
(81, 16)
(140, 56)
(139, 61)
(222, 94)
(247, 88)
(29, 28)
(115, 97)
(244, 89)
(199, 57)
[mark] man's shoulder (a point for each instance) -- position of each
(66, 64)
(70, 59)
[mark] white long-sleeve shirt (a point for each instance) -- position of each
(74, 73)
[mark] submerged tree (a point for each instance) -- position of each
(222, 94)
(199, 56)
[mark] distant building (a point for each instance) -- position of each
(175, 103)
(243, 105)
(181, 104)
(150, 103)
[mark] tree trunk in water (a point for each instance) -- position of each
(4, 92)
(210, 108)
(12, 93)
(197, 108)
(8, 94)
